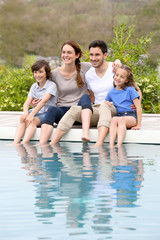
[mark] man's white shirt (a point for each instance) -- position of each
(100, 86)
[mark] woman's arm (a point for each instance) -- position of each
(137, 104)
(35, 102)
(92, 97)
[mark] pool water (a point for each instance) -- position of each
(75, 191)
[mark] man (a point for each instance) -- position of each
(99, 79)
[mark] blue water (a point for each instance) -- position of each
(76, 192)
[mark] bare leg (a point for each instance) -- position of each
(19, 132)
(57, 136)
(30, 130)
(105, 114)
(46, 131)
(113, 131)
(102, 133)
(86, 115)
(66, 122)
(123, 124)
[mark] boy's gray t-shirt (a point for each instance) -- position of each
(37, 92)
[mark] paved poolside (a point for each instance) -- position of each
(150, 129)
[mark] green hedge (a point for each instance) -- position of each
(136, 55)
(16, 82)
(14, 86)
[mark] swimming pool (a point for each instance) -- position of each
(75, 192)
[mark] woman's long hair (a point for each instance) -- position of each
(77, 50)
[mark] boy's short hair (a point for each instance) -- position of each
(42, 63)
(99, 43)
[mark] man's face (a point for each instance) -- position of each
(97, 57)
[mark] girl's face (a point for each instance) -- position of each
(68, 54)
(120, 77)
(40, 75)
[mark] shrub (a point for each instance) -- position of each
(16, 82)
(135, 54)
(14, 86)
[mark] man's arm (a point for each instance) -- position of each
(117, 63)
(140, 93)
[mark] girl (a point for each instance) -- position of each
(123, 96)
(43, 89)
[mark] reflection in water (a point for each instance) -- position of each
(83, 186)
(127, 176)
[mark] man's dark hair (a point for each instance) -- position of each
(99, 43)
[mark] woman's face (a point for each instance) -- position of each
(68, 54)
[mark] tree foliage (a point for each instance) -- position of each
(15, 82)
(40, 27)
(136, 55)
(14, 85)
(148, 20)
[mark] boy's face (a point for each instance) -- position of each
(40, 75)
(97, 57)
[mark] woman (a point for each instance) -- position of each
(71, 86)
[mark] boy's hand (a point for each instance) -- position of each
(29, 120)
(23, 117)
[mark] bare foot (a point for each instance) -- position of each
(111, 146)
(97, 144)
(85, 139)
(119, 145)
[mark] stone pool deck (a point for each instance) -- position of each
(148, 134)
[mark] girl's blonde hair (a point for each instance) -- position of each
(77, 50)
(131, 82)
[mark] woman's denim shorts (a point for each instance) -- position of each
(128, 113)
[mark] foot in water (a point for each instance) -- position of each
(85, 139)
